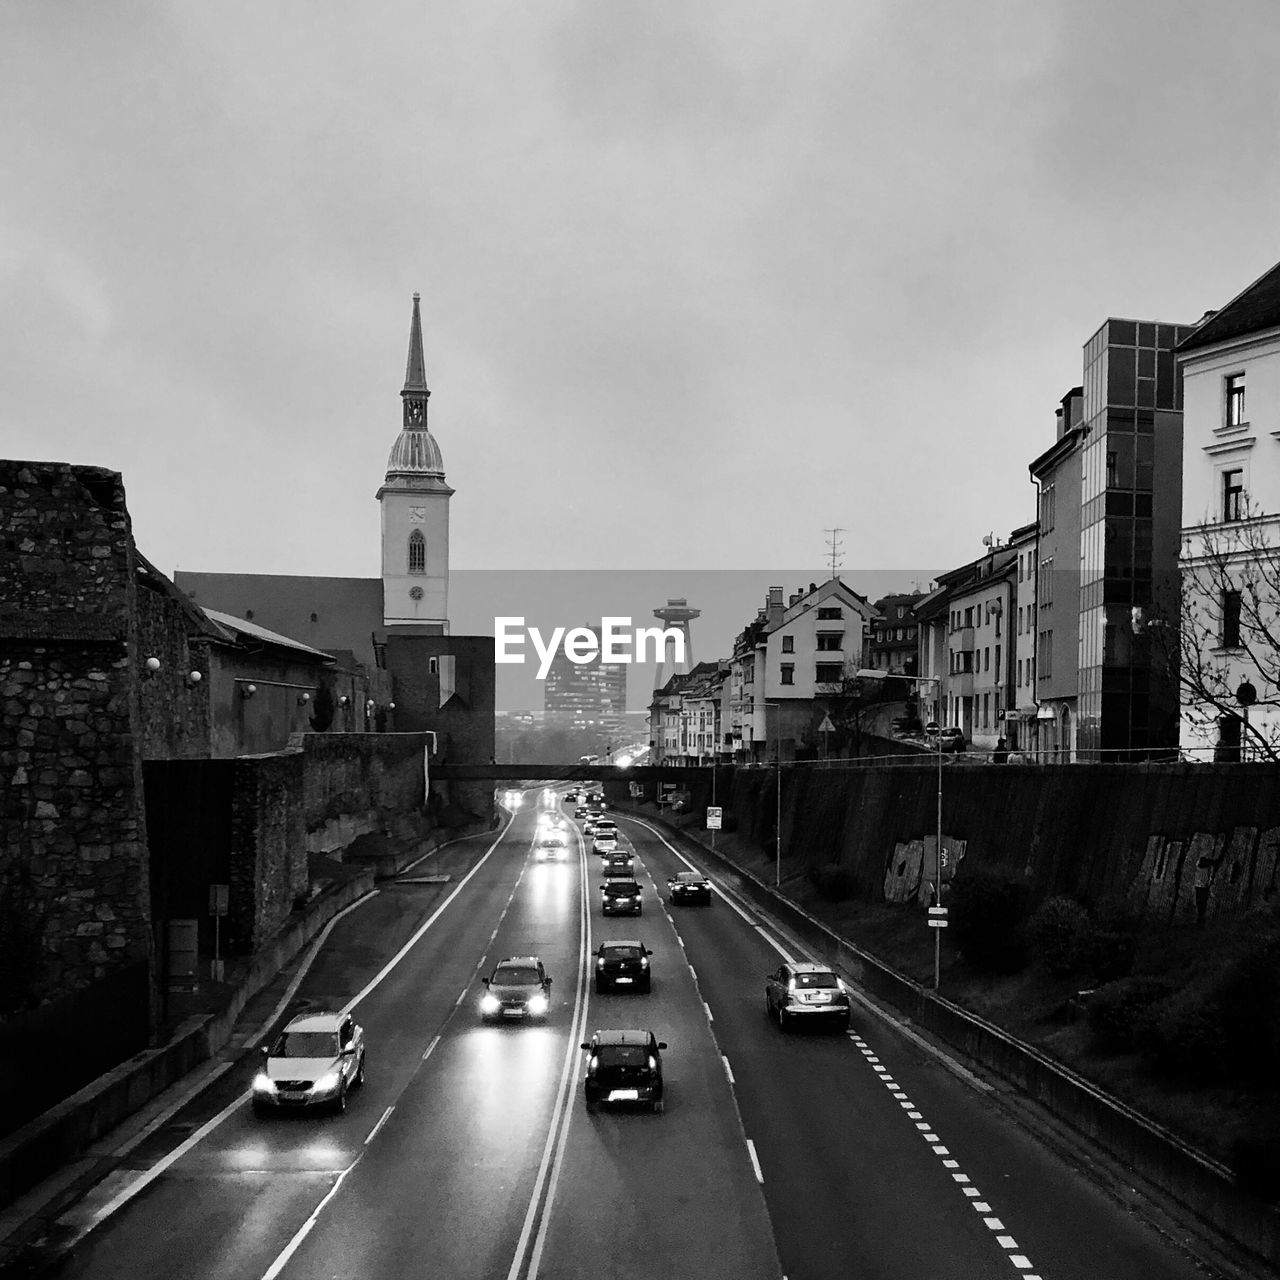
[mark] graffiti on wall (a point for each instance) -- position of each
(911, 869)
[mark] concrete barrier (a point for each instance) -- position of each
(1203, 1186)
(65, 1131)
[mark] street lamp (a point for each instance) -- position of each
(777, 759)
(871, 673)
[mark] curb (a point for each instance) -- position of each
(1201, 1185)
(64, 1132)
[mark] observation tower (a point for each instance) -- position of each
(675, 615)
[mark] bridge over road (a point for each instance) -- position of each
(571, 773)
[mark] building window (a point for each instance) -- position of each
(788, 644)
(997, 659)
(1231, 619)
(1235, 400)
(828, 673)
(968, 616)
(829, 614)
(828, 640)
(417, 552)
(1233, 494)
(788, 673)
(1044, 588)
(1048, 508)
(1113, 479)
(986, 659)
(1019, 664)
(1044, 651)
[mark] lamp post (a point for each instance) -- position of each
(871, 673)
(777, 759)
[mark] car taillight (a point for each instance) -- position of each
(644, 962)
(592, 1065)
(600, 962)
(653, 1063)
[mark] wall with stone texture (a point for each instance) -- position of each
(73, 860)
(1122, 835)
(175, 719)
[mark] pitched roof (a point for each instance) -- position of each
(1254, 309)
(234, 628)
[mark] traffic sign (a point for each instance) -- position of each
(937, 911)
(714, 813)
(936, 922)
(826, 726)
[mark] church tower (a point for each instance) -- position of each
(415, 510)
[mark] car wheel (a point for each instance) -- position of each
(340, 1102)
(260, 1108)
(358, 1082)
(658, 1105)
(592, 1106)
(784, 1020)
(600, 988)
(648, 986)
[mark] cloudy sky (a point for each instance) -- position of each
(699, 280)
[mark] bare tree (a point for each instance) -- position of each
(1226, 641)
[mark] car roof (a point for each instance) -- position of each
(317, 1020)
(806, 967)
(612, 1036)
(621, 942)
(690, 875)
(522, 961)
(620, 882)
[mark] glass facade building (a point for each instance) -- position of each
(1131, 503)
(589, 695)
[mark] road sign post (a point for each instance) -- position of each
(219, 895)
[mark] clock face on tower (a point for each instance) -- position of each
(417, 514)
(413, 410)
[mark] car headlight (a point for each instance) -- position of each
(326, 1082)
(489, 1003)
(537, 1004)
(263, 1083)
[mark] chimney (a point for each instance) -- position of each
(813, 586)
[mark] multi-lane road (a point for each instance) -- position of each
(469, 1154)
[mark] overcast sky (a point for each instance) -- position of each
(699, 280)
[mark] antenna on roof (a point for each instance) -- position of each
(835, 546)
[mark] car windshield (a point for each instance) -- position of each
(516, 977)
(688, 877)
(816, 980)
(621, 888)
(622, 1055)
(622, 953)
(306, 1044)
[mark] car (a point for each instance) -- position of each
(551, 849)
(315, 1061)
(949, 739)
(589, 827)
(801, 992)
(597, 798)
(606, 824)
(620, 897)
(624, 1066)
(624, 963)
(570, 796)
(690, 886)
(604, 843)
(518, 988)
(580, 812)
(620, 863)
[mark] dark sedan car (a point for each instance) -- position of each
(620, 898)
(623, 964)
(624, 1066)
(518, 988)
(690, 886)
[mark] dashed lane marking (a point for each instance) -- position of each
(431, 1046)
(728, 1070)
(755, 1162)
(926, 1130)
(710, 1015)
(376, 1127)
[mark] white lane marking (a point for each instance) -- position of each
(462, 995)
(694, 972)
(539, 1212)
(431, 1046)
(379, 1125)
(381, 976)
(292, 1247)
(755, 1162)
(145, 1179)
(710, 1016)
(994, 1223)
(728, 1070)
(1006, 1242)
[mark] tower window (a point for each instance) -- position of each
(417, 552)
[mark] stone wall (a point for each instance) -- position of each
(73, 869)
(174, 711)
(1118, 834)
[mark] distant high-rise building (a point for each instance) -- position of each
(586, 695)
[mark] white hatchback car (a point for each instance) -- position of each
(315, 1060)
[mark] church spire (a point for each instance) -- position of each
(415, 391)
